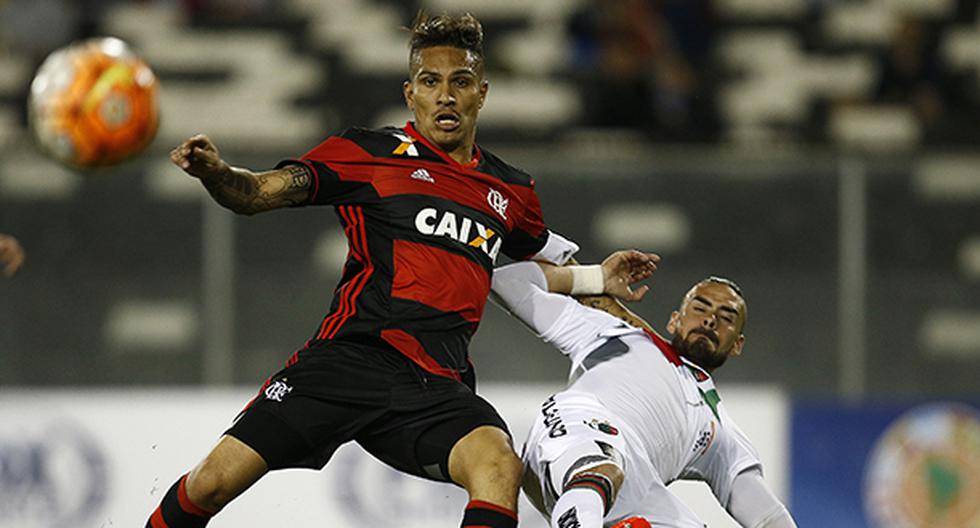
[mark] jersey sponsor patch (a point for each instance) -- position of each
(552, 419)
(705, 438)
(429, 221)
(407, 146)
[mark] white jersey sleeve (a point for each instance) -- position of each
(557, 250)
(754, 505)
(730, 454)
(576, 330)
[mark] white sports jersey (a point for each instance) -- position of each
(668, 420)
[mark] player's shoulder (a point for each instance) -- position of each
(390, 142)
(375, 140)
(495, 166)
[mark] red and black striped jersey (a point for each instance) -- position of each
(424, 232)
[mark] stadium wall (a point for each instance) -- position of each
(104, 458)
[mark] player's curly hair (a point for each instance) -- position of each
(464, 32)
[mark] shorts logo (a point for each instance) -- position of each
(407, 146)
(552, 420)
(498, 203)
(277, 391)
(602, 426)
(422, 174)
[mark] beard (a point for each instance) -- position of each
(702, 351)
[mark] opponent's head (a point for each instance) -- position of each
(446, 87)
(707, 328)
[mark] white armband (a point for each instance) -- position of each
(587, 280)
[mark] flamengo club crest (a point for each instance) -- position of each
(277, 390)
(498, 203)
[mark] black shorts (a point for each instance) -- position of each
(406, 417)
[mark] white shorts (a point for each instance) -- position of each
(574, 431)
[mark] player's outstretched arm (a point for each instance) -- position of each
(753, 504)
(615, 276)
(237, 188)
(11, 254)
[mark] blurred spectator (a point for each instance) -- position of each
(911, 71)
(638, 61)
(229, 11)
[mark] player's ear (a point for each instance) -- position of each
(409, 95)
(673, 322)
(737, 346)
(484, 88)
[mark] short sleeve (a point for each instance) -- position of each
(730, 454)
(531, 239)
(335, 166)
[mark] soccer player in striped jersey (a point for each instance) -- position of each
(426, 212)
(640, 411)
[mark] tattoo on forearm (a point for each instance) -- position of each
(245, 192)
(300, 177)
(239, 183)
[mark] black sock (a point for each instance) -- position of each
(177, 511)
(485, 514)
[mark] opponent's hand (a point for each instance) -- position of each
(624, 268)
(11, 254)
(200, 158)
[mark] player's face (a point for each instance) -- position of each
(708, 327)
(445, 92)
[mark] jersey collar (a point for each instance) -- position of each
(410, 130)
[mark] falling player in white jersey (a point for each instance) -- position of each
(640, 412)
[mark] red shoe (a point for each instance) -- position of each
(633, 522)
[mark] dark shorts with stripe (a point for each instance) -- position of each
(404, 416)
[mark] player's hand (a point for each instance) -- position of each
(200, 158)
(11, 255)
(624, 268)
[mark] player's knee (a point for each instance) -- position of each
(498, 466)
(485, 458)
(210, 488)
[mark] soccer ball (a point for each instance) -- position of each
(93, 103)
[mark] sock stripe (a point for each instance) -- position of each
(177, 511)
(493, 507)
(185, 501)
(596, 482)
(156, 520)
(481, 514)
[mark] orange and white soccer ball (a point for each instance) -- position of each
(94, 103)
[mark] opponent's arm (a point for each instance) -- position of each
(754, 505)
(614, 277)
(615, 308)
(240, 189)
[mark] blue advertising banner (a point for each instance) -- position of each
(886, 465)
